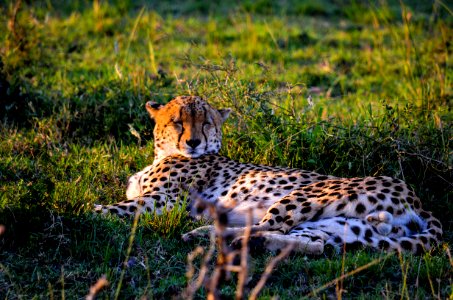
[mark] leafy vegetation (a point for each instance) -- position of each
(348, 88)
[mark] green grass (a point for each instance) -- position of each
(74, 79)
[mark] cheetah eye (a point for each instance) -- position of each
(177, 124)
(207, 124)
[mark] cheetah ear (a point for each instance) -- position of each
(152, 108)
(224, 113)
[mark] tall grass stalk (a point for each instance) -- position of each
(128, 253)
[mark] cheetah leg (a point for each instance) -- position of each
(279, 219)
(132, 206)
(306, 241)
(202, 231)
(205, 231)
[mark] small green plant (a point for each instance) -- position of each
(170, 223)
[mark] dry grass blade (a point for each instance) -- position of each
(190, 258)
(97, 287)
(447, 250)
(267, 272)
(221, 270)
(196, 284)
(225, 257)
(242, 276)
(128, 252)
(12, 20)
(349, 274)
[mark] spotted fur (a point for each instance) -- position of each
(308, 209)
(187, 126)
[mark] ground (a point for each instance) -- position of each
(358, 89)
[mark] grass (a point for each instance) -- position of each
(74, 78)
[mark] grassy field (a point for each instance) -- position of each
(348, 88)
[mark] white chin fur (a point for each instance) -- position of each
(191, 154)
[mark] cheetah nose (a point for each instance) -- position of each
(193, 143)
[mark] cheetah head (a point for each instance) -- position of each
(187, 125)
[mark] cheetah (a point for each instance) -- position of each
(288, 205)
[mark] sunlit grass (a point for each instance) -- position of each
(74, 79)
